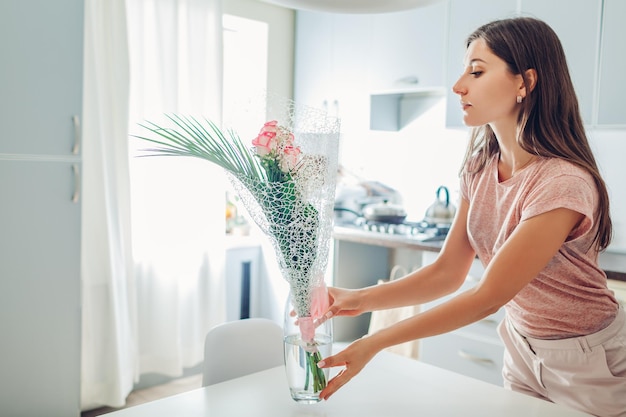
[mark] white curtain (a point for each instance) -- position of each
(178, 204)
(149, 300)
(108, 341)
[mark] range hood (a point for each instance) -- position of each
(352, 6)
(393, 109)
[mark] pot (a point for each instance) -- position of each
(441, 211)
(384, 212)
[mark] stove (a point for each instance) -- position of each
(422, 231)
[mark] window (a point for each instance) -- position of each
(245, 64)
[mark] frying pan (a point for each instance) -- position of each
(384, 212)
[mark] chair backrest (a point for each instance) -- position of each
(241, 347)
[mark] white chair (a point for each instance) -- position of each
(241, 347)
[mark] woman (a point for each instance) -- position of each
(535, 211)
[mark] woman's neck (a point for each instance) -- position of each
(512, 157)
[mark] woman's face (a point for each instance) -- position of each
(487, 89)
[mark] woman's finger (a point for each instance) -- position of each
(334, 384)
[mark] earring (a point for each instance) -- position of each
(519, 99)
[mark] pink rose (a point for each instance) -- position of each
(290, 158)
(266, 141)
(290, 139)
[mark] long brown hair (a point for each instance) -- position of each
(550, 122)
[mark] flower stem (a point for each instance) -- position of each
(319, 380)
(308, 365)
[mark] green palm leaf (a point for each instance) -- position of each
(204, 140)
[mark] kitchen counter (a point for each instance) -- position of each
(613, 264)
(351, 234)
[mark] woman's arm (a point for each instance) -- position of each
(430, 282)
(519, 260)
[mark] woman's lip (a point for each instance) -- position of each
(465, 106)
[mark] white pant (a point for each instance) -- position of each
(586, 373)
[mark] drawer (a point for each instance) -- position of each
(464, 355)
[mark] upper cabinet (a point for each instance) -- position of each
(41, 73)
(379, 70)
(313, 78)
(580, 42)
(612, 89)
(593, 46)
(361, 65)
(406, 66)
(331, 64)
(408, 48)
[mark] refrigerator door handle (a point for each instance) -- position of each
(77, 135)
(76, 194)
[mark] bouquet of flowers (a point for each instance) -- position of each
(286, 180)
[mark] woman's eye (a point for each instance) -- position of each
(476, 73)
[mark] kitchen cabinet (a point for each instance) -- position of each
(40, 165)
(612, 90)
(382, 67)
(587, 53)
(580, 42)
(407, 48)
(41, 85)
(40, 289)
(474, 350)
(356, 265)
(331, 65)
(406, 65)
(313, 52)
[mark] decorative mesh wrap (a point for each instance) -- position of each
(297, 215)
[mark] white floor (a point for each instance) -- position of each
(174, 387)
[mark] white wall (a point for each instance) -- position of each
(281, 22)
(609, 147)
(415, 160)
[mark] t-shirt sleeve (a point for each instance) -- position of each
(568, 191)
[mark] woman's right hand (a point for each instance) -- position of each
(342, 302)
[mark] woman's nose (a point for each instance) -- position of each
(457, 88)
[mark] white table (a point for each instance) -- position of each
(389, 386)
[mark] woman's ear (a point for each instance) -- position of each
(531, 77)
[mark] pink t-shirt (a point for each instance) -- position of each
(569, 297)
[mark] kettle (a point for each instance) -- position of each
(441, 211)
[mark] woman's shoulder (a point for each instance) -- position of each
(555, 167)
(561, 178)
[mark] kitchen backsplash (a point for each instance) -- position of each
(419, 158)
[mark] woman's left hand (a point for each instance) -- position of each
(353, 358)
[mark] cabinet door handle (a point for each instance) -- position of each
(474, 358)
(76, 194)
(77, 135)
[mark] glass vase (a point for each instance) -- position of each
(302, 354)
